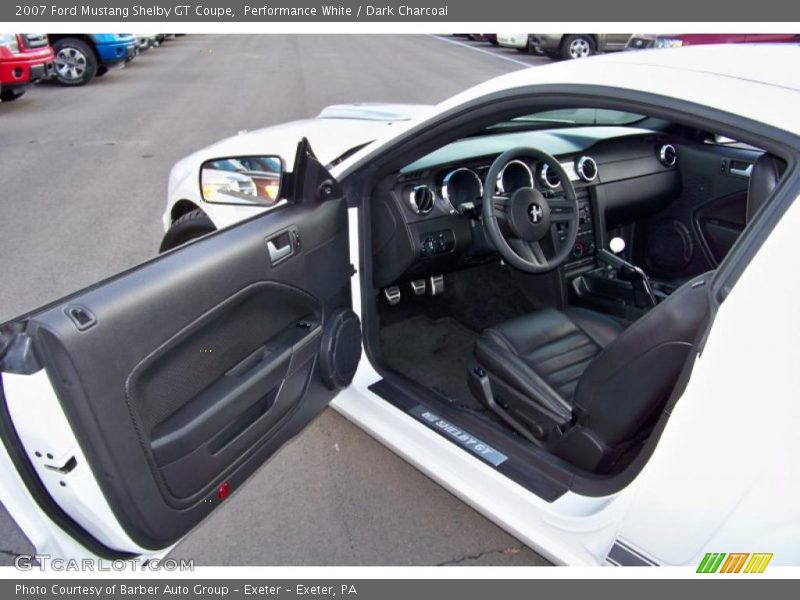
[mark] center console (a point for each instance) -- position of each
(585, 247)
(602, 280)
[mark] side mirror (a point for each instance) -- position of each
(242, 180)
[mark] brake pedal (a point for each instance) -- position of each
(392, 294)
(418, 286)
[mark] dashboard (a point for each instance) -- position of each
(426, 217)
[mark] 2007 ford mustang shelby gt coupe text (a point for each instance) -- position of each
(574, 288)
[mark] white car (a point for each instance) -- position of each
(335, 133)
(491, 257)
(518, 41)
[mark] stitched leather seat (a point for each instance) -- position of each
(546, 354)
(576, 383)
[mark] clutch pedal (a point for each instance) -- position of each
(392, 294)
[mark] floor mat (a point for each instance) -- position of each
(434, 353)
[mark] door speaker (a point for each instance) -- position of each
(340, 349)
(669, 246)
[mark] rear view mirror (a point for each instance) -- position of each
(242, 180)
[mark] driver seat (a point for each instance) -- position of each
(573, 381)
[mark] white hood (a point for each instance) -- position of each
(333, 132)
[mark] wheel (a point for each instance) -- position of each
(75, 62)
(577, 46)
(11, 95)
(193, 224)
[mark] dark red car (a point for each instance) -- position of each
(640, 41)
(25, 58)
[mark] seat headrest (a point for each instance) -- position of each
(764, 177)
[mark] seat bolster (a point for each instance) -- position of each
(764, 178)
(600, 328)
(498, 358)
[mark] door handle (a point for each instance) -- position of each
(277, 254)
(739, 168)
(282, 245)
(745, 172)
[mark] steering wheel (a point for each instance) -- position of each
(517, 224)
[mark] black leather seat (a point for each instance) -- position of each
(764, 178)
(578, 384)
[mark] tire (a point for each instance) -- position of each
(192, 225)
(75, 62)
(577, 46)
(11, 95)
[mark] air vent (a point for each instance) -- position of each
(549, 177)
(421, 199)
(412, 175)
(668, 155)
(586, 168)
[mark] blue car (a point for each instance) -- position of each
(82, 56)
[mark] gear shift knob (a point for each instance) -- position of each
(617, 245)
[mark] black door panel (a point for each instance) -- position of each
(200, 404)
(694, 233)
(191, 370)
(719, 224)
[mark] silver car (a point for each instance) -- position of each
(568, 46)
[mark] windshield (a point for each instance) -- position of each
(570, 117)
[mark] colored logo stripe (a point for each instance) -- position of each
(758, 563)
(734, 562)
(711, 562)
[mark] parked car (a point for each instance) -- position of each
(641, 41)
(189, 214)
(604, 404)
(79, 58)
(568, 46)
(145, 42)
(518, 41)
(25, 59)
(484, 37)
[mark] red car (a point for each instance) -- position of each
(25, 58)
(640, 41)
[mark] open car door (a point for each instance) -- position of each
(132, 408)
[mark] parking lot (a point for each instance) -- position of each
(84, 174)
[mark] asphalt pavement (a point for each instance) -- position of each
(84, 174)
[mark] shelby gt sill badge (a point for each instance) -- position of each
(458, 435)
